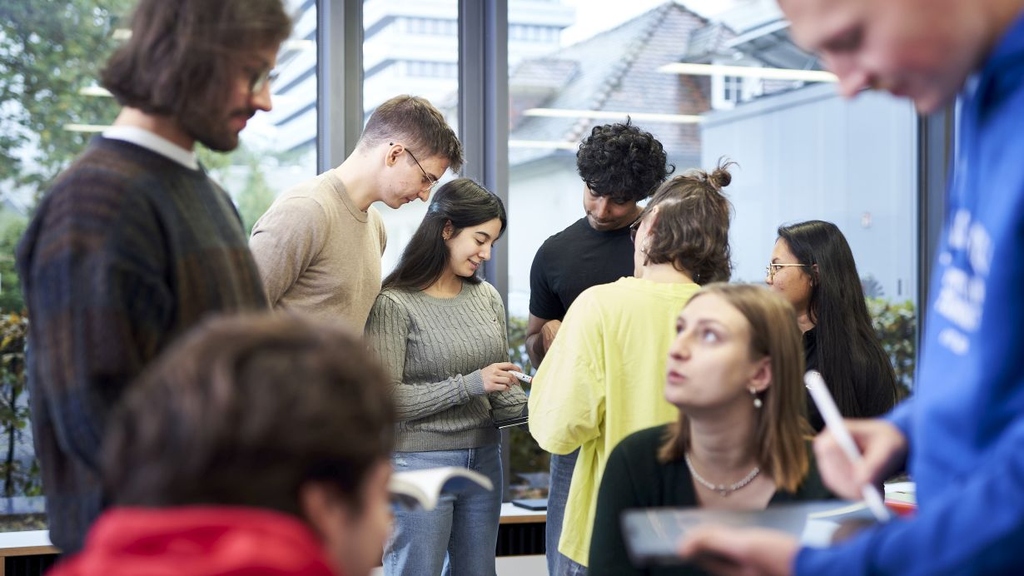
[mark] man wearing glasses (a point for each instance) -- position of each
(134, 243)
(620, 165)
(319, 246)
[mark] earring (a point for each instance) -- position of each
(757, 400)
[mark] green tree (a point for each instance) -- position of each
(49, 51)
(19, 469)
(254, 199)
(12, 226)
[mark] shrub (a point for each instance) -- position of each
(19, 468)
(896, 326)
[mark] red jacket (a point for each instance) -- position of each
(198, 541)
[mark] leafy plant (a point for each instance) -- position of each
(12, 226)
(20, 472)
(896, 326)
(49, 51)
(517, 343)
(525, 456)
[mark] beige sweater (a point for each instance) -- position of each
(318, 253)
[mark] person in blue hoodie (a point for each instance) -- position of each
(961, 436)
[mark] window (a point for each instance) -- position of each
(732, 88)
(46, 124)
(803, 152)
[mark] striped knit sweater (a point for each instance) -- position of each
(126, 251)
(434, 350)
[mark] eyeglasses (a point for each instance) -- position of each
(260, 79)
(431, 181)
(633, 229)
(772, 269)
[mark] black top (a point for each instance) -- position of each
(572, 261)
(872, 386)
(811, 363)
(634, 478)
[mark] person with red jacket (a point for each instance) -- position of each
(256, 445)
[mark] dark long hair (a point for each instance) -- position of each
(849, 352)
(462, 202)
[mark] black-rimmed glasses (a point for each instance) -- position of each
(431, 181)
(633, 229)
(772, 269)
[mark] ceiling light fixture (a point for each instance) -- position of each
(546, 144)
(748, 72)
(613, 115)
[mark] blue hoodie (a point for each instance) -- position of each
(965, 423)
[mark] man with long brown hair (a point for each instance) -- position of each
(134, 243)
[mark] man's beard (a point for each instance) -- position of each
(213, 130)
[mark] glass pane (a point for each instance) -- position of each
(51, 104)
(410, 47)
(713, 79)
(279, 147)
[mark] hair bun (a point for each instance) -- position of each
(721, 177)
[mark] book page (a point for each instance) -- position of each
(422, 488)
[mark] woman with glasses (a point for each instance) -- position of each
(602, 378)
(440, 331)
(812, 267)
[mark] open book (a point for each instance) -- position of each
(421, 489)
(652, 535)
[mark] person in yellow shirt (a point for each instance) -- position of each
(602, 378)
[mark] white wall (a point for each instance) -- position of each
(808, 155)
(543, 200)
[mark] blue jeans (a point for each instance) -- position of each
(459, 537)
(569, 567)
(558, 494)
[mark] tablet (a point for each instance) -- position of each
(510, 417)
(652, 535)
(531, 503)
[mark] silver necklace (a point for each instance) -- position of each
(722, 489)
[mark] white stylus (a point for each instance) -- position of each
(524, 377)
(834, 422)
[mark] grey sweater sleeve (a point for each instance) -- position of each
(387, 332)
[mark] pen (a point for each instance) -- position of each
(834, 422)
(523, 377)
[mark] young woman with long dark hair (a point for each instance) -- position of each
(812, 267)
(440, 331)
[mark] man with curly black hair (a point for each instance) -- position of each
(620, 165)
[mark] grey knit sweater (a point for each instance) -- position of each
(434, 350)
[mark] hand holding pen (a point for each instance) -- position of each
(843, 467)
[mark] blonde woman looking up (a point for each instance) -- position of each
(739, 441)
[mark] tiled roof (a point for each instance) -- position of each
(613, 71)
